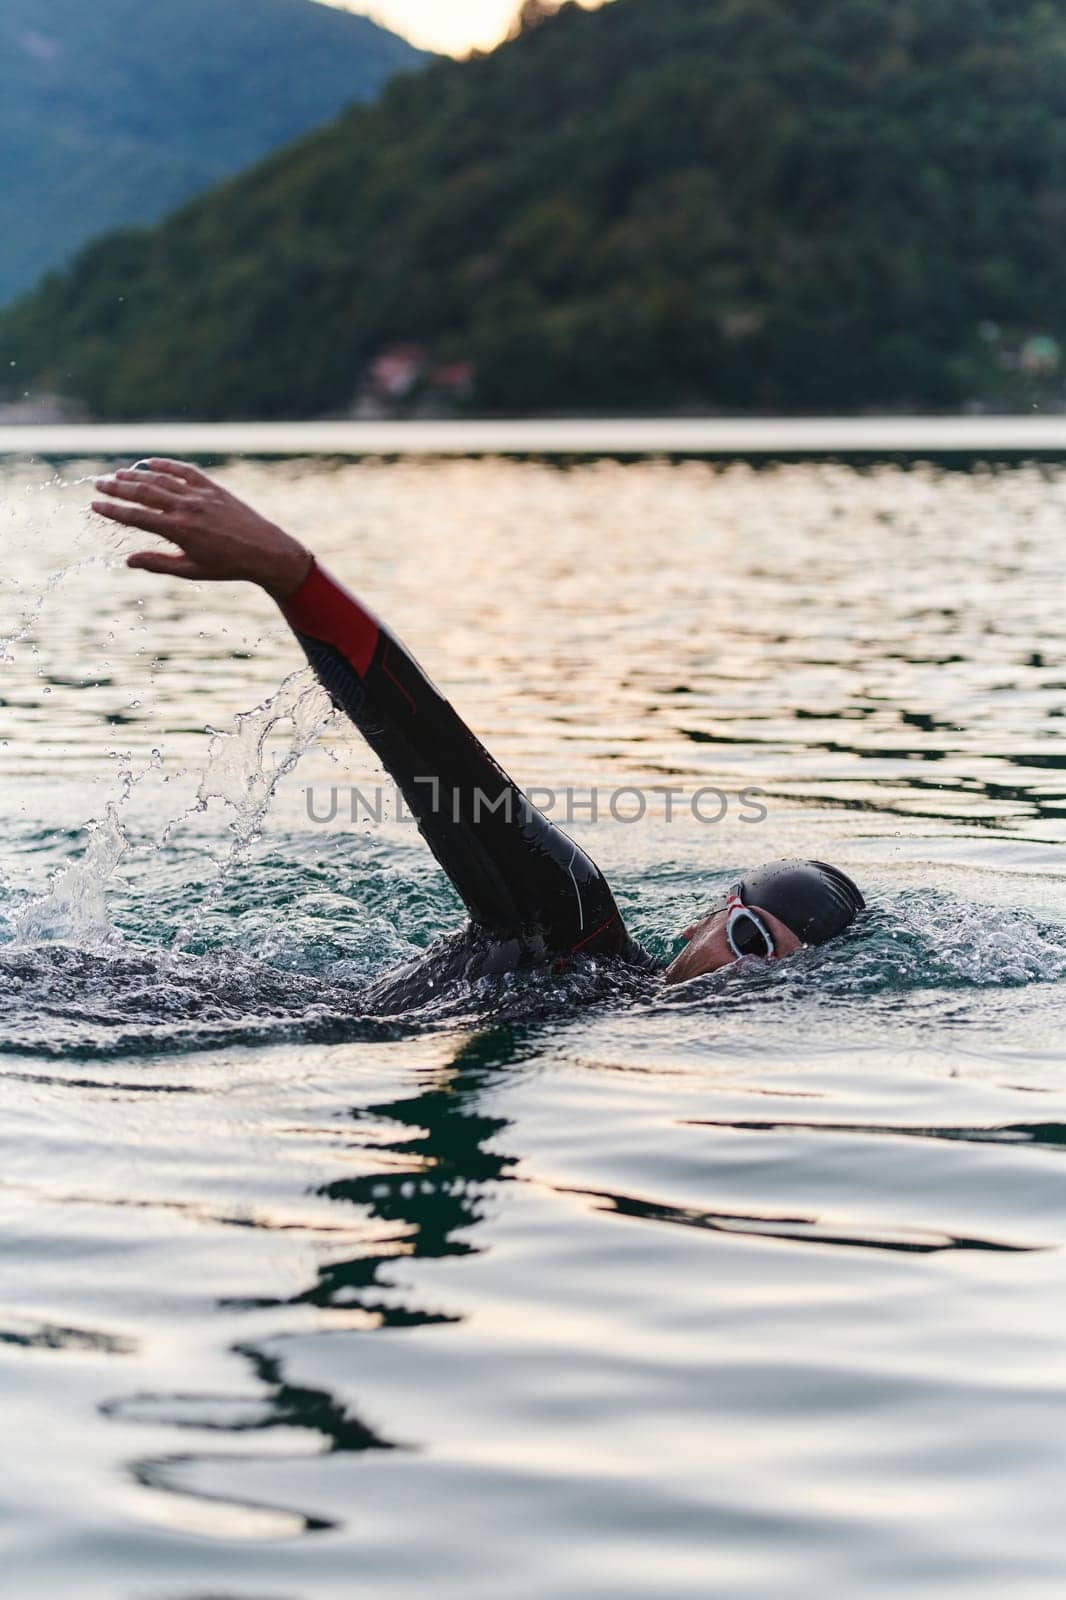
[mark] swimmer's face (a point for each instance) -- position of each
(707, 948)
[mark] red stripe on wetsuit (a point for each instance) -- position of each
(324, 609)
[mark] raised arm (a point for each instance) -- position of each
(516, 872)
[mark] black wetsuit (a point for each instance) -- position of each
(532, 894)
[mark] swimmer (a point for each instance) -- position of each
(533, 896)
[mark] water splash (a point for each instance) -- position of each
(927, 940)
(74, 907)
(239, 770)
(34, 601)
(243, 770)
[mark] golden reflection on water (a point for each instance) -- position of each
(881, 640)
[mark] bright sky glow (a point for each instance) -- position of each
(454, 26)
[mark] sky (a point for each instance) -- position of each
(456, 26)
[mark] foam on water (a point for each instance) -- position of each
(199, 963)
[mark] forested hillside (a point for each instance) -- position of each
(115, 111)
(738, 204)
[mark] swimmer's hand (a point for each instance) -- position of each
(219, 537)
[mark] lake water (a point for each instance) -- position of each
(752, 1289)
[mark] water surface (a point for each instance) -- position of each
(753, 1288)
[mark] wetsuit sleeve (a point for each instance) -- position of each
(516, 872)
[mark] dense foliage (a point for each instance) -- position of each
(115, 111)
(794, 204)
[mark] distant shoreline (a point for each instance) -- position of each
(671, 436)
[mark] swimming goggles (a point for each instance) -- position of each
(746, 932)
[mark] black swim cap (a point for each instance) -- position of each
(812, 898)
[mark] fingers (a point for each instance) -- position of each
(133, 516)
(160, 561)
(177, 469)
(143, 488)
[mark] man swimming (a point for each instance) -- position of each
(532, 895)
